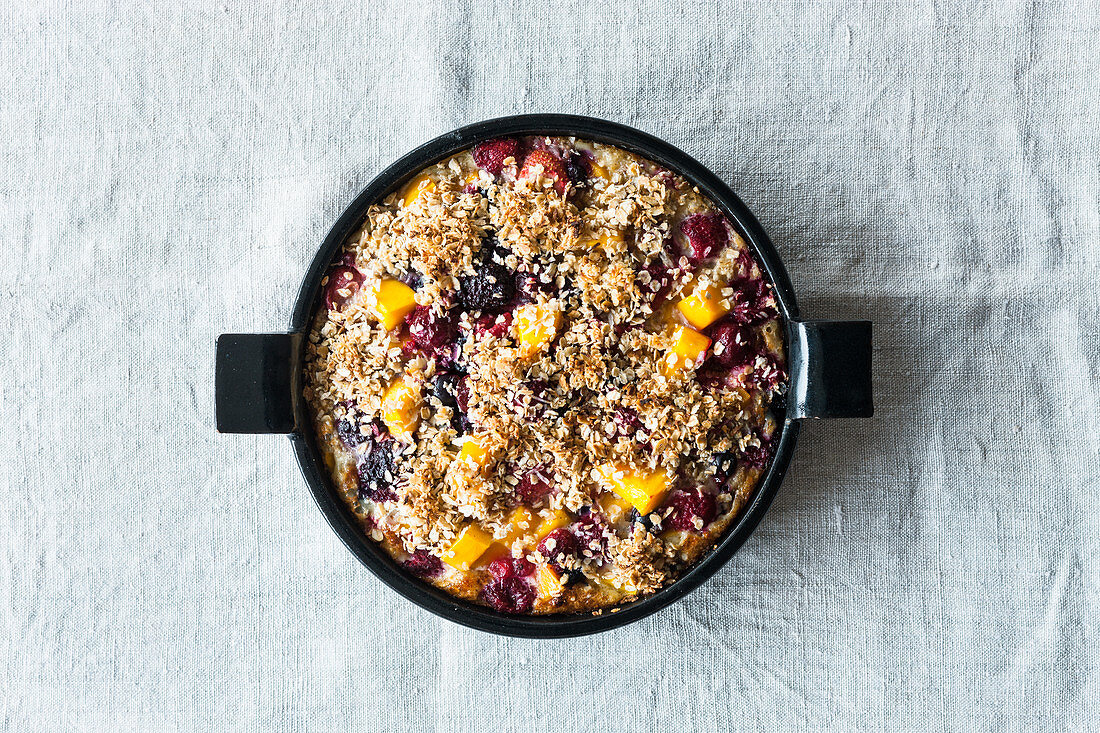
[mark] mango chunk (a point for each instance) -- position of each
(609, 240)
(535, 327)
(401, 406)
(598, 171)
(689, 346)
(471, 543)
(473, 453)
(521, 521)
(643, 489)
(703, 309)
(412, 190)
(549, 582)
(559, 519)
(393, 300)
(496, 550)
(613, 506)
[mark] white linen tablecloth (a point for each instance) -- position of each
(169, 169)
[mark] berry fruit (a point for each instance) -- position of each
(445, 389)
(423, 564)
(689, 506)
(535, 485)
(756, 456)
(706, 235)
(412, 278)
(343, 282)
(558, 546)
(730, 345)
(627, 422)
(376, 472)
(592, 532)
(636, 517)
(490, 155)
(522, 567)
(347, 429)
(509, 595)
(552, 168)
(493, 325)
(511, 567)
(577, 166)
(434, 335)
(725, 466)
(488, 290)
(531, 401)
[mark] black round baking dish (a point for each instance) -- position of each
(258, 377)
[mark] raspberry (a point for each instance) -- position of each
(731, 345)
(660, 282)
(509, 595)
(489, 289)
(490, 154)
(510, 567)
(753, 302)
(341, 278)
(522, 567)
(433, 334)
(689, 505)
(552, 168)
(501, 568)
(495, 326)
(423, 564)
(757, 456)
(627, 422)
(706, 235)
(535, 485)
(592, 531)
(558, 546)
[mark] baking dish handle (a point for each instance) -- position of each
(252, 382)
(830, 369)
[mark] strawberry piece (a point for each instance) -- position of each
(552, 168)
(491, 154)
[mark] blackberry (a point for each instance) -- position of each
(377, 470)
(348, 432)
(446, 389)
(489, 290)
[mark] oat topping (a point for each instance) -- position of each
(544, 374)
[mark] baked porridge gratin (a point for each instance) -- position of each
(544, 373)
